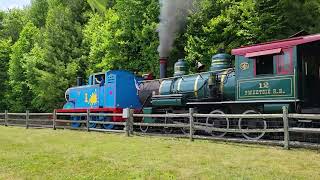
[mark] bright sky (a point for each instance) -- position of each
(9, 4)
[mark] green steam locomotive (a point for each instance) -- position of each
(264, 78)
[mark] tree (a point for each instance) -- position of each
(12, 24)
(5, 51)
(101, 5)
(20, 95)
(37, 12)
(300, 15)
(223, 24)
(125, 37)
(58, 67)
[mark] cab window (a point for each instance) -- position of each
(264, 65)
(99, 79)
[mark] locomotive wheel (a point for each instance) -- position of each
(217, 123)
(186, 130)
(252, 124)
(144, 129)
(107, 119)
(74, 124)
(93, 125)
(168, 130)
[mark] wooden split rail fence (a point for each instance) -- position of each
(51, 120)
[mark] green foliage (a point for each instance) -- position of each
(124, 38)
(228, 25)
(20, 95)
(301, 15)
(101, 5)
(12, 24)
(59, 58)
(5, 51)
(37, 12)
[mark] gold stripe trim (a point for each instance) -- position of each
(196, 86)
(219, 63)
(160, 87)
(223, 77)
(179, 84)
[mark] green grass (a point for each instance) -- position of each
(63, 154)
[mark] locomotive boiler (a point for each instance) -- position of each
(218, 84)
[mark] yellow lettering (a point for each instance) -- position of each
(86, 97)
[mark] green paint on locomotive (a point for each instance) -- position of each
(227, 85)
(190, 86)
(280, 84)
(241, 83)
(207, 86)
(180, 68)
(200, 86)
(266, 88)
(169, 102)
(220, 61)
(148, 110)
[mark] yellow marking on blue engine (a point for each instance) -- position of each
(196, 86)
(86, 97)
(93, 99)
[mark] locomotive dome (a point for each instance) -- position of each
(180, 68)
(220, 61)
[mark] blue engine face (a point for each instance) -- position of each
(113, 89)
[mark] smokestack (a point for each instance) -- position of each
(173, 16)
(163, 67)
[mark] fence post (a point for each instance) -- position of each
(131, 121)
(191, 121)
(27, 119)
(54, 119)
(126, 115)
(285, 127)
(88, 120)
(6, 118)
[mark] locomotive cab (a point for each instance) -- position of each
(280, 73)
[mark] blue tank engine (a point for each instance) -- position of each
(108, 92)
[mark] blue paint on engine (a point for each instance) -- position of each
(119, 91)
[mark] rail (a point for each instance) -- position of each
(85, 121)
